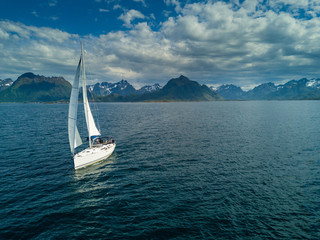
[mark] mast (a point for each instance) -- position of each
(84, 93)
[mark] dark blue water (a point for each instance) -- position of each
(213, 170)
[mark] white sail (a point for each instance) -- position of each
(92, 129)
(77, 140)
(74, 137)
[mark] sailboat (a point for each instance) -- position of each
(99, 148)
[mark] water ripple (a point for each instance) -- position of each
(225, 170)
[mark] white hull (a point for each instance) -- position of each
(92, 155)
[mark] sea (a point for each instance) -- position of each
(181, 170)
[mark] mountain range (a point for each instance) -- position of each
(303, 89)
(35, 88)
(177, 89)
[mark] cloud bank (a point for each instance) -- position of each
(213, 42)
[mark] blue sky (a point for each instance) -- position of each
(82, 17)
(213, 42)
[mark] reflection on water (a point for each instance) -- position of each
(96, 169)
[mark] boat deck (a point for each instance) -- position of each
(92, 155)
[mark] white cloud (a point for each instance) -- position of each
(275, 4)
(35, 13)
(4, 35)
(54, 18)
(129, 16)
(222, 41)
(213, 42)
(139, 53)
(175, 3)
(103, 10)
(44, 51)
(18, 29)
(53, 3)
(142, 2)
(250, 5)
(117, 6)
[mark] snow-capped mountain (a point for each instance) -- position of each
(121, 88)
(313, 83)
(294, 89)
(149, 88)
(105, 88)
(5, 83)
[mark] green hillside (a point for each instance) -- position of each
(35, 88)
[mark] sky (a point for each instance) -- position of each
(214, 42)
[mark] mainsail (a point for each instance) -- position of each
(74, 137)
